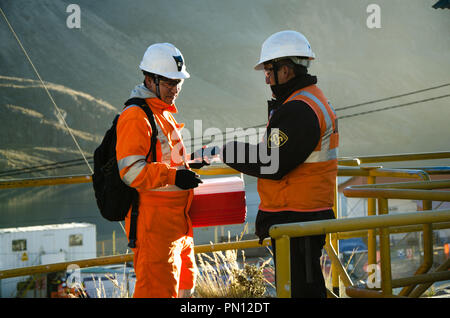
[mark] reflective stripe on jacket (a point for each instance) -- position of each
(133, 143)
(311, 185)
(164, 254)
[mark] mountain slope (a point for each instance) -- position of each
(93, 69)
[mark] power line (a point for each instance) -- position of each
(383, 99)
(46, 167)
(52, 166)
(76, 162)
(43, 166)
(46, 89)
(391, 97)
(395, 106)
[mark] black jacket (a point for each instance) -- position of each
(296, 120)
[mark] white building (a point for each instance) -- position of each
(40, 245)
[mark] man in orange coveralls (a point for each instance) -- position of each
(164, 255)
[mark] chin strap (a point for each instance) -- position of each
(156, 80)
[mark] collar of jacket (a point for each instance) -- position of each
(140, 91)
(283, 91)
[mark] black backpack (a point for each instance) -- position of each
(113, 196)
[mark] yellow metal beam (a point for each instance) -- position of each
(117, 259)
(216, 170)
(404, 157)
(419, 290)
(283, 266)
(392, 230)
(57, 267)
(355, 292)
(358, 223)
(37, 182)
(407, 194)
(332, 239)
(385, 251)
(331, 252)
(371, 235)
(419, 279)
(410, 185)
(220, 170)
(231, 245)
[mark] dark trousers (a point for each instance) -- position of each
(306, 272)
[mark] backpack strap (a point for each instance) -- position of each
(141, 103)
(132, 237)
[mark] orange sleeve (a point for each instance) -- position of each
(133, 144)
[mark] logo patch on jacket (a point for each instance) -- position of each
(277, 138)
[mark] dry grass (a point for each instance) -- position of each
(120, 289)
(223, 276)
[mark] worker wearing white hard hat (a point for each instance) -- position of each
(302, 132)
(164, 62)
(164, 260)
(286, 44)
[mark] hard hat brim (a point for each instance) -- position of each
(260, 65)
(172, 75)
(177, 75)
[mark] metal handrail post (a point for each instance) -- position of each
(346, 280)
(335, 272)
(427, 257)
(371, 234)
(419, 290)
(283, 266)
(403, 157)
(385, 251)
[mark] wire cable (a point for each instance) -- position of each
(391, 97)
(380, 100)
(76, 162)
(394, 106)
(46, 89)
(49, 165)
(56, 165)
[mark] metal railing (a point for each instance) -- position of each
(371, 225)
(122, 258)
(283, 233)
(426, 191)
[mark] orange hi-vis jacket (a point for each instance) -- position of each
(311, 185)
(164, 255)
(134, 129)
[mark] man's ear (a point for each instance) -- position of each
(148, 81)
(284, 70)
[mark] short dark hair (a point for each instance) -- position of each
(299, 70)
(152, 75)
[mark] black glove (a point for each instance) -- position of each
(187, 179)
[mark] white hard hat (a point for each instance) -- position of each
(287, 43)
(164, 59)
